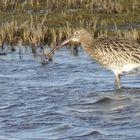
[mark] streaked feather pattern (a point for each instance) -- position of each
(115, 52)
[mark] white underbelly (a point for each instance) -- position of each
(125, 68)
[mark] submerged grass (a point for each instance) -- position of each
(43, 23)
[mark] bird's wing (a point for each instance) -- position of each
(119, 49)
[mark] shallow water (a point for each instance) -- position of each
(72, 98)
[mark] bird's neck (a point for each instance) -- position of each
(88, 45)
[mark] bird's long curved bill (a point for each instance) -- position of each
(59, 46)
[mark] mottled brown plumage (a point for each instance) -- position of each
(117, 54)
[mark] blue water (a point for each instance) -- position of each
(71, 98)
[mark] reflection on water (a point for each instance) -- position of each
(72, 98)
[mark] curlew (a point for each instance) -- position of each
(120, 55)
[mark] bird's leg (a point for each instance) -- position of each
(117, 81)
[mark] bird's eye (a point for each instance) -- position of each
(76, 33)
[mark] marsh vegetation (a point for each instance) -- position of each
(72, 98)
(44, 23)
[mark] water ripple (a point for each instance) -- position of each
(72, 98)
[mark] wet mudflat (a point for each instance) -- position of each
(72, 98)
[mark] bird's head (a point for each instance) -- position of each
(78, 36)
